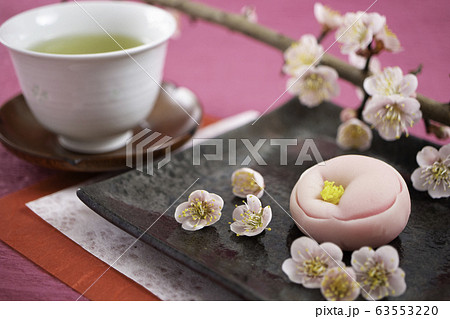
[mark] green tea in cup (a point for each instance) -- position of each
(86, 44)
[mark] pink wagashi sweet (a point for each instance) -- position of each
(373, 209)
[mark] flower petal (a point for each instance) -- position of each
(238, 212)
(289, 267)
(408, 85)
(302, 248)
(427, 156)
(216, 201)
(418, 181)
(179, 210)
(332, 251)
(397, 282)
(254, 204)
(360, 256)
(267, 216)
(444, 153)
(438, 191)
(389, 256)
(198, 195)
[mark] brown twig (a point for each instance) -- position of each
(430, 108)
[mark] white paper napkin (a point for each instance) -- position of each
(163, 276)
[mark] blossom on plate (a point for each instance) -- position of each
(358, 29)
(328, 18)
(391, 82)
(391, 115)
(339, 284)
(378, 273)
(302, 54)
(310, 261)
(246, 181)
(386, 39)
(315, 85)
(354, 134)
(251, 218)
(433, 174)
(202, 209)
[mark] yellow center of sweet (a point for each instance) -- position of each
(332, 193)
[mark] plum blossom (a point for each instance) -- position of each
(391, 82)
(249, 12)
(378, 273)
(391, 115)
(246, 181)
(433, 174)
(354, 134)
(251, 218)
(202, 209)
(386, 39)
(339, 284)
(358, 29)
(310, 261)
(328, 18)
(301, 54)
(315, 85)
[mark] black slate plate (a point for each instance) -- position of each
(251, 266)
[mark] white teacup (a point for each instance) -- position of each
(91, 101)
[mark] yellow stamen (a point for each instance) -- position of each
(332, 193)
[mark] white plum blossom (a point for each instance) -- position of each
(301, 54)
(378, 273)
(391, 115)
(358, 29)
(328, 18)
(310, 261)
(315, 85)
(202, 209)
(251, 218)
(354, 134)
(246, 181)
(339, 284)
(391, 82)
(388, 40)
(433, 174)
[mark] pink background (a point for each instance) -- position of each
(232, 73)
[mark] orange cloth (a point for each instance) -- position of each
(37, 240)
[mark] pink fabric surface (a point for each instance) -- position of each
(231, 73)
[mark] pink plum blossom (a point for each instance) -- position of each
(433, 174)
(201, 210)
(246, 181)
(391, 115)
(310, 261)
(339, 284)
(378, 273)
(251, 218)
